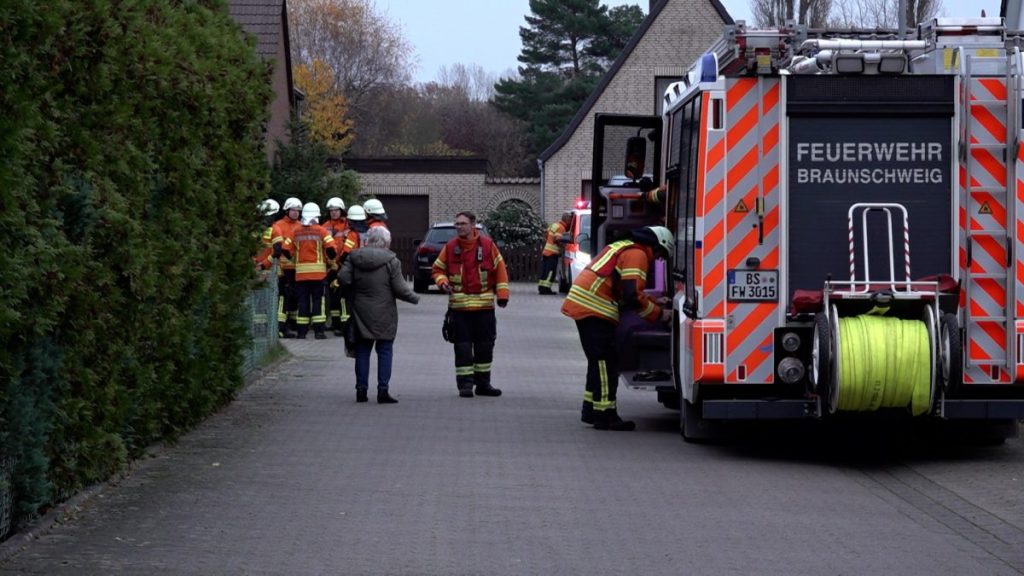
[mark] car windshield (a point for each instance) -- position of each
(440, 235)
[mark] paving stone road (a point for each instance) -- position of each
(294, 477)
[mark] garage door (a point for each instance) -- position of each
(408, 220)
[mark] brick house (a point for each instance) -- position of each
(674, 34)
(267, 20)
(418, 191)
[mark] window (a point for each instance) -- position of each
(681, 176)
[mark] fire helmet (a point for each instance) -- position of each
(374, 207)
(664, 236)
(269, 207)
(292, 203)
(335, 204)
(356, 213)
(310, 213)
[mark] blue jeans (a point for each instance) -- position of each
(384, 354)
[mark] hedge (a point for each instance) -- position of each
(131, 164)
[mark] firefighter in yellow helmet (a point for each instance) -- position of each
(552, 252)
(613, 281)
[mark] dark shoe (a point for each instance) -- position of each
(611, 421)
(487, 390)
(465, 392)
(385, 398)
(320, 336)
(286, 334)
(545, 291)
(361, 396)
(339, 332)
(587, 414)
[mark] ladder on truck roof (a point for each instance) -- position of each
(986, 153)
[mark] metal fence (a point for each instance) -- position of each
(262, 313)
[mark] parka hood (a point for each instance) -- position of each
(370, 257)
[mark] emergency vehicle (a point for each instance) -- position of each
(849, 219)
(576, 246)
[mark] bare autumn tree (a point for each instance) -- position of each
(475, 82)
(772, 13)
(365, 50)
(882, 13)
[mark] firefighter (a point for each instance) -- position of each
(472, 272)
(552, 252)
(375, 214)
(357, 222)
(264, 259)
(652, 193)
(613, 281)
(338, 228)
(312, 247)
(287, 305)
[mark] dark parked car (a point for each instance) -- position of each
(427, 250)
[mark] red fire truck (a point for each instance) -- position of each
(849, 220)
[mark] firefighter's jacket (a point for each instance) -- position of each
(283, 233)
(376, 224)
(309, 248)
(613, 281)
(345, 238)
(476, 271)
(555, 232)
(265, 257)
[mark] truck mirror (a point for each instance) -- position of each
(636, 156)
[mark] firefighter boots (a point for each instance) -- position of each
(587, 413)
(609, 420)
(487, 390)
(465, 392)
(318, 332)
(301, 334)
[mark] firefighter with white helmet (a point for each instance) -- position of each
(338, 228)
(287, 304)
(357, 221)
(264, 259)
(614, 281)
(375, 214)
(313, 247)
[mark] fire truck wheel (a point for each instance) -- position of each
(821, 356)
(952, 352)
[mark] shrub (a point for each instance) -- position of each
(516, 224)
(131, 134)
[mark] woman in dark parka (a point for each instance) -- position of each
(373, 275)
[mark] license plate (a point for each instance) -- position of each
(753, 285)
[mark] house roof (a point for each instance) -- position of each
(261, 18)
(584, 110)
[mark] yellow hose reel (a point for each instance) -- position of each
(869, 362)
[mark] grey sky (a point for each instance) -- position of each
(446, 32)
